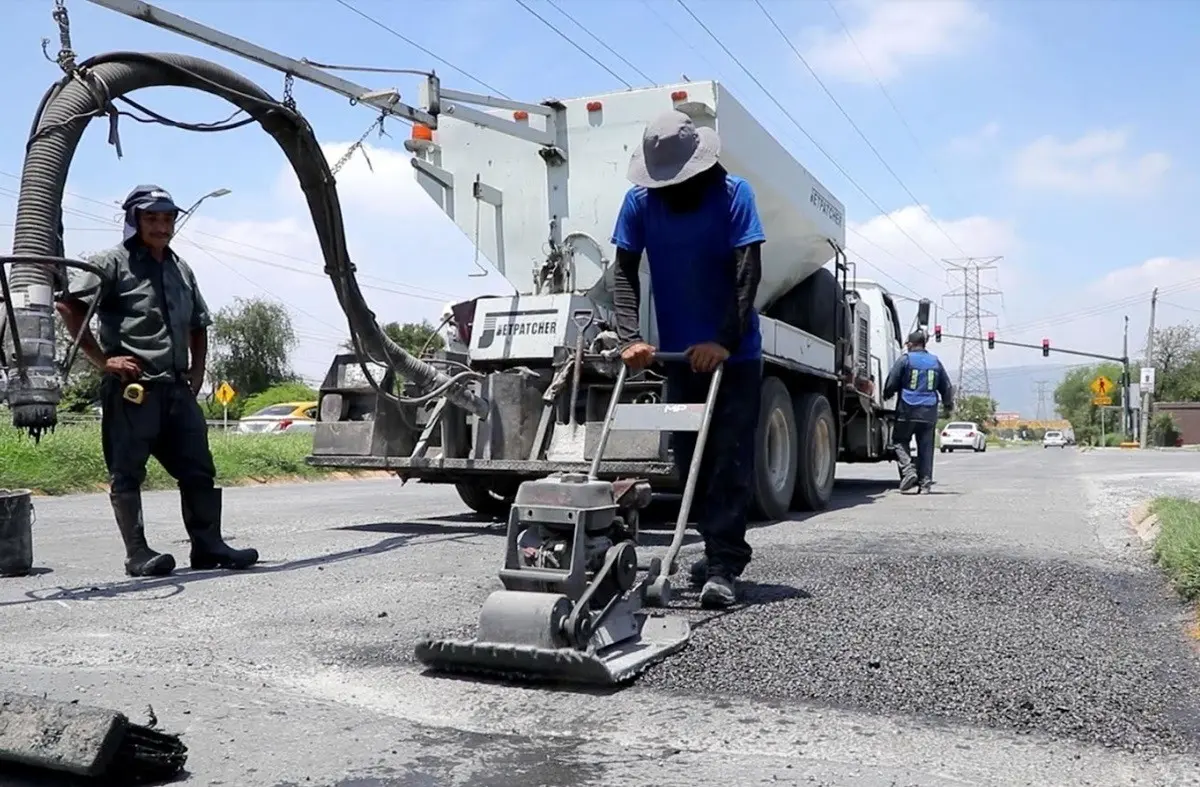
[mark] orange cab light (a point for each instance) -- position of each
(594, 106)
(520, 114)
(679, 95)
(423, 132)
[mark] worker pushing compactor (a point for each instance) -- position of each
(700, 230)
(152, 349)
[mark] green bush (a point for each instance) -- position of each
(1177, 547)
(71, 460)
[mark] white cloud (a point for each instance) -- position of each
(977, 141)
(892, 35)
(1097, 162)
(909, 272)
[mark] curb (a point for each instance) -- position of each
(1144, 523)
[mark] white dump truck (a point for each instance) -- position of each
(537, 190)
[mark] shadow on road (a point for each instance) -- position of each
(175, 584)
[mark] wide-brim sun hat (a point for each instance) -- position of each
(673, 150)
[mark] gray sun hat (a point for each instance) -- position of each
(673, 150)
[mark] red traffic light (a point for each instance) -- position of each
(991, 340)
(937, 333)
(1045, 348)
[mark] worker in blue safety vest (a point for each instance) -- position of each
(920, 379)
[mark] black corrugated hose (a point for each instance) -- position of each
(66, 110)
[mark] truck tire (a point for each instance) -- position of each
(480, 498)
(816, 461)
(776, 444)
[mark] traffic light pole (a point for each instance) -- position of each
(992, 341)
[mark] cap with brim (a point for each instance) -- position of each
(151, 198)
(673, 150)
(917, 337)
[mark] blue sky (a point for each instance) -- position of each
(1053, 133)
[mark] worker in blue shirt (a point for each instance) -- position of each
(920, 379)
(700, 231)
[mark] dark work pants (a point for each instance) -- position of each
(901, 436)
(168, 425)
(725, 487)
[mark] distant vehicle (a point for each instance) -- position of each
(286, 417)
(1054, 437)
(963, 434)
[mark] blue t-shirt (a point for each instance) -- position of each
(692, 266)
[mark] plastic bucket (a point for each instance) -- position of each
(16, 532)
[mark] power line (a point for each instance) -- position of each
(600, 41)
(803, 130)
(887, 95)
(1042, 385)
(415, 45)
(972, 363)
(855, 126)
(573, 43)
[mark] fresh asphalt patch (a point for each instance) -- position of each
(1024, 644)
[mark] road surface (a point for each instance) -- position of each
(1004, 630)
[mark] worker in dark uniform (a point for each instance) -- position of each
(699, 228)
(920, 379)
(152, 349)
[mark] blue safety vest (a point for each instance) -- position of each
(920, 385)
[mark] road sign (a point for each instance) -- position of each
(225, 393)
(1102, 386)
(1148, 379)
(1102, 401)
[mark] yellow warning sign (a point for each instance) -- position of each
(225, 393)
(1102, 386)
(1102, 401)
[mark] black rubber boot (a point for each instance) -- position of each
(140, 559)
(202, 518)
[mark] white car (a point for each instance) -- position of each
(1055, 438)
(962, 434)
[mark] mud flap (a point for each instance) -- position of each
(659, 636)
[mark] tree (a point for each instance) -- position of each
(978, 409)
(1073, 400)
(416, 337)
(81, 386)
(251, 343)
(1177, 363)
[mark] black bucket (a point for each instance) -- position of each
(16, 532)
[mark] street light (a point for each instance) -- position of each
(190, 211)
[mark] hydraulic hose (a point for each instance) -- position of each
(66, 110)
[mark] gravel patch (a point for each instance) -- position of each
(1023, 644)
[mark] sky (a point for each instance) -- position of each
(1054, 135)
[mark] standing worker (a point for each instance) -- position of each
(920, 378)
(700, 230)
(152, 317)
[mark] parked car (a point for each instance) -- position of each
(286, 417)
(1055, 438)
(962, 434)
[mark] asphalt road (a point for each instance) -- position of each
(1005, 630)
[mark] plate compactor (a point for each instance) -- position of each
(577, 599)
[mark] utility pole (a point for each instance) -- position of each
(1146, 395)
(1126, 405)
(972, 360)
(1041, 392)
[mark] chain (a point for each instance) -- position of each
(350, 151)
(66, 55)
(288, 100)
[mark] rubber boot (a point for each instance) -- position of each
(140, 559)
(202, 518)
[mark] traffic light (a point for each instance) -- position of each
(1045, 348)
(991, 340)
(937, 333)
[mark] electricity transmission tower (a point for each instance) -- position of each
(972, 363)
(1042, 385)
